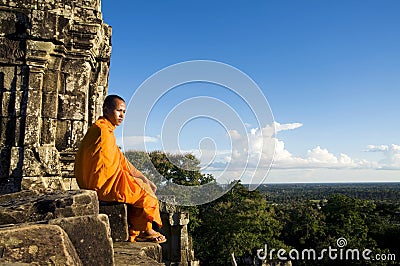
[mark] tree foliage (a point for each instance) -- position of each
(239, 222)
(243, 221)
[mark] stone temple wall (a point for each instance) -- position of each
(54, 64)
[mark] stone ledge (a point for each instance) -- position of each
(28, 206)
(126, 253)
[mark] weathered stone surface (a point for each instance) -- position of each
(49, 159)
(28, 206)
(31, 164)
(90, 236)
(63, 135)
(11, 103)
(178, 218)
(71, 106)
(54, 65)
(38, 162)
(70, 183)
(67, 167)
(37, 244)
(126, 253)
(19, 4)
(168, 204)
(4, 262)
(49, 131)
(51, 103)
(11, 51)
(178, 249)
(43, 184)
(117, 214)
(78, 132)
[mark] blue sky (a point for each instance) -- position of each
(329, 70)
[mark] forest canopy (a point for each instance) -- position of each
(297, 217)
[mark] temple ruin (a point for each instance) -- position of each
(54, 65)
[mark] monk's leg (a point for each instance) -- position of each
(137, 222)
(140, 218)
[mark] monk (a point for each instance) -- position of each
(101, 166)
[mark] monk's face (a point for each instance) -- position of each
(116, 114)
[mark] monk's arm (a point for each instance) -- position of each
(137, 174)
(147, 181)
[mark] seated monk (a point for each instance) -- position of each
(101, 166)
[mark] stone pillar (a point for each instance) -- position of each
(178, 250)
(54, 64)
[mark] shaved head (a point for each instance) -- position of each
(110, 100)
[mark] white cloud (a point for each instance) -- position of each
(283, 127)
(391, 154)
(316, 158)
(135, 142)
(260, 144)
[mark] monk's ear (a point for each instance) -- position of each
(106, 110)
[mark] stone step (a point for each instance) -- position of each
(127, 253)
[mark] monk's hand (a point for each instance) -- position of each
(152, 186)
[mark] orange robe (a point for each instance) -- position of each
(101, 166)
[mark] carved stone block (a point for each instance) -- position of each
(90, 236)
(139, 253)
(20, 4)
(178, 218)
(8, 23)
(29, 206)
(49, 159)
(69, 181)
(38, 244)
(178, 250)
(51, 81)
(49, 131)
(16, 161)
(71, 106)
(44, 24)
(117, 214)
(86, 14)
(40, 183)
(8, 77)
(35, 161)
(96, 103)
(63, 136)
(31, 165)
(32, 130)
(13, 103)
(11, 51)
(50, 100)
(79, 129)
(51, 5)
(77, 78)
(35, 80)
(34, 103)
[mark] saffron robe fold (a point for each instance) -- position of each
(101, 166)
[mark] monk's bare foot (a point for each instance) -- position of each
(151, 236)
